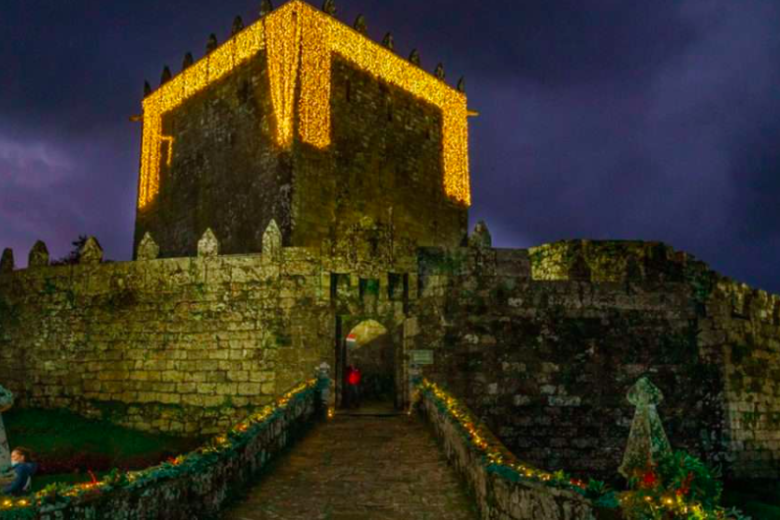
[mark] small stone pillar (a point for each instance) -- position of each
(272, 240)
(329, 7)
(647, 442)
(480, 237)
(6, 402)
(91, 253)
(208, 245)
(266, 7)
(148, 248)
(39, 255)
(7, 261)
(361, 25)
(415, 374)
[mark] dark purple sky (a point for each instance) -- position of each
(655, 120)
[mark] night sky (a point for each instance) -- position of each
(652, 120)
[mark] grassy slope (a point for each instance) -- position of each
(64, 442)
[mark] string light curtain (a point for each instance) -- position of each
(300, 41)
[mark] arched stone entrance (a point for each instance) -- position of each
(375, 349)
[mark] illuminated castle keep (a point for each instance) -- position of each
(304, 120)
(346, 168)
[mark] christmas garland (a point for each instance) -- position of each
(681, 486)
(220, 448)
(499, 460)
(678, 486)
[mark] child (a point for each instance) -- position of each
(23, 470)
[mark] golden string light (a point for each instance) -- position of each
(194, 79)
(316, 63)
(283, 34)
(219, 443)
(300, 42)
(494, 452)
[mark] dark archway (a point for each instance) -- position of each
(372, 348)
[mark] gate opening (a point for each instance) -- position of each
(367, 364)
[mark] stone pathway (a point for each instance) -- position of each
(360, 468)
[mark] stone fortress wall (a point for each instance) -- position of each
(543, 343)
(182, 345)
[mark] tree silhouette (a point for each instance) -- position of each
(73, 256)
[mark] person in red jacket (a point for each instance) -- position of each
(353, 386)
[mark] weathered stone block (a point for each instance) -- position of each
(39, 255)
(91, 252)
(208, 245)
(7, 261)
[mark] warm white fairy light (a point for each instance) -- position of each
(300, 42)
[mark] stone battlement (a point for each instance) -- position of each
(190, 345)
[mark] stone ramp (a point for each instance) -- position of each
(360, 468)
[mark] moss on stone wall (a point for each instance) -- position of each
(190, 344)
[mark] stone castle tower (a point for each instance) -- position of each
(304, 120)
(346, 167)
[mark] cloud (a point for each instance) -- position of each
(31, 164)
(617, 153)
(610, 119)
(56, 190)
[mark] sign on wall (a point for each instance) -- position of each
(421, 357)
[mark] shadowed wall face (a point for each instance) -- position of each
(220, 169)
(385, 162)
(543, 345)
(302, 119)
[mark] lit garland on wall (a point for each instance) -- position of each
(192, 80)
(298, 37)
(494, 452)
(283, 34)
(500, 460)
(188, 464)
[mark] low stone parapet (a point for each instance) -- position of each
(195, 485)
(502, 490)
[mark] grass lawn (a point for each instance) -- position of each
(759, 499)
(66, 443)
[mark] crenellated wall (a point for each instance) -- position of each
(182, 345)
(542, 344)
(743, 326)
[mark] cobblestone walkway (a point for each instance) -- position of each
(360, 468)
